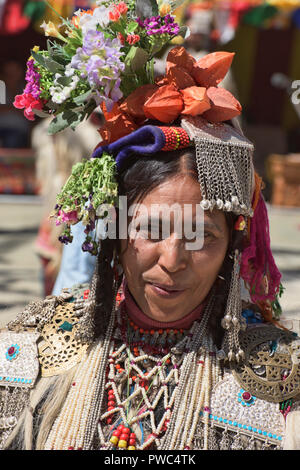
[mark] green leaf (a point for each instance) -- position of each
(64, 81)
(39, 58)
(62, 121)
(82, 98)
(49, 64)
(132, 27)
(136, 59)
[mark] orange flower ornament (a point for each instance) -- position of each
(189, 87)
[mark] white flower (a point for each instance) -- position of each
(58, 97)
(60, 94)
(99, 17)
(69, 71)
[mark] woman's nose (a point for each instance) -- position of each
(172, 255)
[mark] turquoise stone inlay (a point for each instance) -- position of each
(243, 426)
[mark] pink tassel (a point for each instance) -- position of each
(258, 268)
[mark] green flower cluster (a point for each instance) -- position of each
(91, 184)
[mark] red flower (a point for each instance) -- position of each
(28, 102)
(122, 8)
(122, 38)
(114, 15)
(132, 38)
(119, 10)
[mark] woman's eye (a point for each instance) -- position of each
(209, 235)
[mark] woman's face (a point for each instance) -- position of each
(166, 279)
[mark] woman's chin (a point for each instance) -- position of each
(166, 308)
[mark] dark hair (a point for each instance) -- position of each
(141, 175)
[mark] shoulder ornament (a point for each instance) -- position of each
(60, 349)
(271, 369)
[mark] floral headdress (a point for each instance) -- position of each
(105, 58)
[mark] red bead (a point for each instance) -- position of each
(126, 430)
(132, 435)
(123, 437)
(117, 433)
(246, 396)
(70, 448)
(111, 403)
(110, 408)
(11, 351)
(132, 442)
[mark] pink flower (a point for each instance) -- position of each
(122, 8)
(69, 217)
(114, 15)
(28, 102)
(118, 11)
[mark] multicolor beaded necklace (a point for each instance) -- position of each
(143, 376)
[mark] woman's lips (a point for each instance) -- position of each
(165, 291)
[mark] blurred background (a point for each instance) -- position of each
(265, 35)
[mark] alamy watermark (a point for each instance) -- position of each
(295, 96)
(2, 92)
(155, 222)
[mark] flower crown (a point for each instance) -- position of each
(105, 57)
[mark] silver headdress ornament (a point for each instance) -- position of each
(224, 163)
(224, 160)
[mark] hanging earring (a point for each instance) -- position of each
(232, 321)
(85, 310)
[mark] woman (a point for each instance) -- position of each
(156, 353)
(151, 372)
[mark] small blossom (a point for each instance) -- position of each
(27, 101)
(132, 38)
(65, 239)
(98, 60)
(121, 38)
(50, 29)
(90, 246)
(69, 217)
(33, 79)
(88, 22)
(114, 15)
(118, 11)
(122, 8)
(76, 18)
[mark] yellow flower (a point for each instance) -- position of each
(50, 29)
(35, 49)
(164, 9)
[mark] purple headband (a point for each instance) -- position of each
(146, 140)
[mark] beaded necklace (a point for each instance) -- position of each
(164, 416)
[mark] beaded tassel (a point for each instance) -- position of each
(232, 321)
